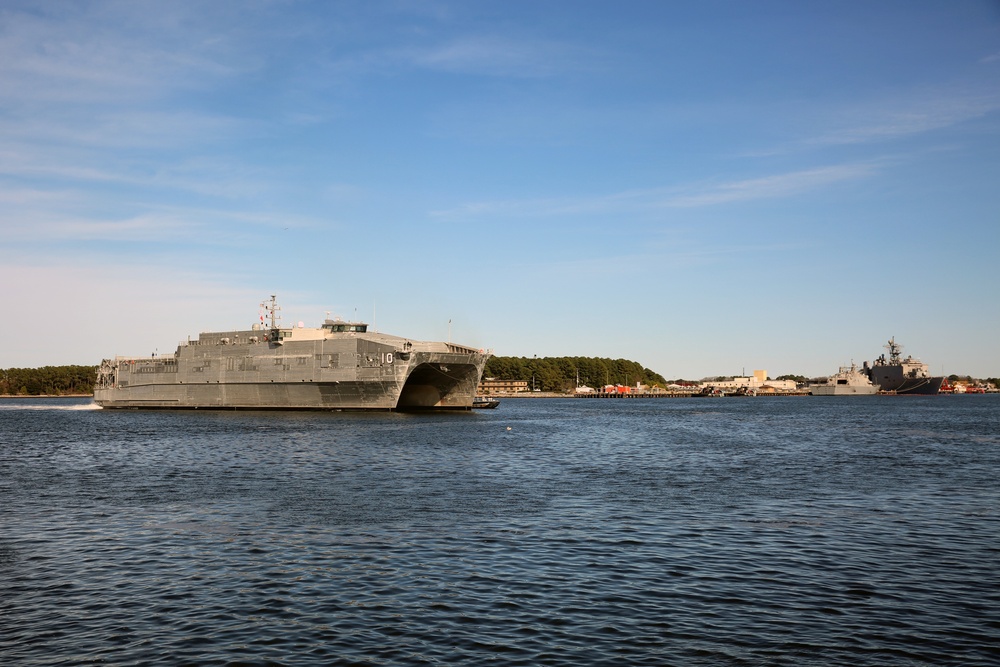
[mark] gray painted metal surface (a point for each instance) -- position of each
(339, 366)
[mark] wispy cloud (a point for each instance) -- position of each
(892, 116)
(68, 216)
(500, 56)
(770, 187)
(479, 55)
(151, 226)
(144, 227)
(911, 114)
(134, 128)
(84, 100)
(678, 253)
(100, 53)
(682, 196)
(64, 166)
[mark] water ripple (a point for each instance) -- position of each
(676, 532)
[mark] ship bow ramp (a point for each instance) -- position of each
(442, 379)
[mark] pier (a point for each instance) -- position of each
(680, 394)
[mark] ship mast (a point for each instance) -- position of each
(272, 310)
(895, 352)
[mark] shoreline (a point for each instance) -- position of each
(46, 395)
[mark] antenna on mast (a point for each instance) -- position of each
(273, 311)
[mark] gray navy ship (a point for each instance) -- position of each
(339, 366)
(848, 381)
(902, 376)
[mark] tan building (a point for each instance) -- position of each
(494, 386)
(757, 382)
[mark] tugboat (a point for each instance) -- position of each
(897, 375)
(485, 402)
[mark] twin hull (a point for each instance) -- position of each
(257, 370)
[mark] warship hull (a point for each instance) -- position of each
(842, 390)
(891, 379)
(296, 369)
(896, 375)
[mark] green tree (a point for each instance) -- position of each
(54, 380)
(560, 373)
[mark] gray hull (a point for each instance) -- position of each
(848, 381)
(891, 378)
(296, 369)
(902, 376)
(842, 390)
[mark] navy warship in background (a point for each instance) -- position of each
(339, 366)
(902, 376)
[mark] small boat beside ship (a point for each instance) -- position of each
(485, 402)
(897, 375)
(848, 381)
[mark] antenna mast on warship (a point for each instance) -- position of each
(272, 310)
(895, 352)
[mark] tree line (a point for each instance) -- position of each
(48, 380)
(968, 379)
(561, 373)
(544, 374)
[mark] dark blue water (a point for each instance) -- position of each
(754, 531)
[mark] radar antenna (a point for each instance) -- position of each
(272, 311)
(895, 351)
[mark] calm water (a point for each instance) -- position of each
(767, 531)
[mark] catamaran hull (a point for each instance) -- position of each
(240, 371)
(281, 396)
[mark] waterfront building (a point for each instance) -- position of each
(757, 382)
(494, 386)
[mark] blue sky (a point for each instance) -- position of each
(702, 187)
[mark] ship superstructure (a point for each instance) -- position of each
(848, 381)
(902, 376)
(338, 366)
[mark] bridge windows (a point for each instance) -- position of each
(344, 327)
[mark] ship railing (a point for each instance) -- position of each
(162, 358)
(461, 349)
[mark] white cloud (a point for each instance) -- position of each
(31, 215)
(770, 187)
(906, 115)
(681, 196)
(500, 56)
(101, 53)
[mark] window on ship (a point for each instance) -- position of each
(345, 328)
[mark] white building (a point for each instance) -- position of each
(755, 381)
